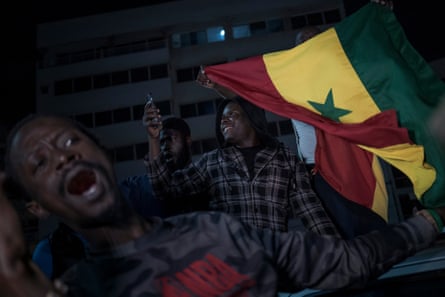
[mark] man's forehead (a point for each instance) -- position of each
(37, 129)
(170, 132)
(232, 106)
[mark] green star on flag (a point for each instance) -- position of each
(328, 109)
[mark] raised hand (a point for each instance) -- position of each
(152, 120)
(203, 80)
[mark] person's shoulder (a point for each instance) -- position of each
(212, 155)
(286, 149)
(135, 187)
(42, 247)
(42, 256)
(137, 180)
(210, 225)
(199, 218)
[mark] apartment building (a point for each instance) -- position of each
(98, 69)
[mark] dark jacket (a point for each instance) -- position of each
(211, 254)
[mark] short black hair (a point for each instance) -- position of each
(176, 123)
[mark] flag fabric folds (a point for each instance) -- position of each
(369, 94)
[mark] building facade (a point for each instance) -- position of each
(98, 69)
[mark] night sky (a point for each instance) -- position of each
(421, 21)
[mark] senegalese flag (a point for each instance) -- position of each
(369, 94)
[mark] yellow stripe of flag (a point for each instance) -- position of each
(293, 71)
(408, 158)
(380, 201)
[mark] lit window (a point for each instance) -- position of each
(215, 34)
(241, 31)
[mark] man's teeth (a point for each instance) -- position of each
(90, 190)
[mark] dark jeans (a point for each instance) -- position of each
(351, 219)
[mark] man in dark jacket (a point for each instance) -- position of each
(60, 165)
(251, 176)
(171, 137)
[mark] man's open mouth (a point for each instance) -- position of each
(82, 182)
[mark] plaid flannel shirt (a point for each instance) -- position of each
(279, 190)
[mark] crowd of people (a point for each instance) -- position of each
(58, 164)
(251, 176)
(248, 218)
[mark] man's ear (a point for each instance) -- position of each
(36, 209)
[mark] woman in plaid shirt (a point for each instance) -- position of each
(251, 176)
